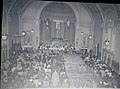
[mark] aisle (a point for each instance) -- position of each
(79, 78)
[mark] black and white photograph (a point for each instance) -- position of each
(60, 44)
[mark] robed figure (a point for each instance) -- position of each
(55, 79)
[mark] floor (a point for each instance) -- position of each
(79, 76)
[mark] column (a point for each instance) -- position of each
(7, 32)
(49, 28)
(41, 31)
(62, 30)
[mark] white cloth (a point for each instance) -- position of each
(55, 78)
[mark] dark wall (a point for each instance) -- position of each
(98, 33)
(13, 27)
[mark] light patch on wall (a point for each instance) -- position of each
(27, 26)
(37, 22)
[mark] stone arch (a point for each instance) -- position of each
(62, 15)
(69, 4)
(39, 6)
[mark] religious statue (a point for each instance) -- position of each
(47, 21)
(84, 41)
(57, 25)
(68, 23)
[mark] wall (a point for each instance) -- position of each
(85, 25)
(83, 21)
(62, 12)
(111, 33)
(117, 46)
(13, 28)
(98, 33)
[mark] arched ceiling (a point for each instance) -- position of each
(92, 8)
(59, 8)
(16, 6)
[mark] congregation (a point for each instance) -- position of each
(36, 68)
(45, 68)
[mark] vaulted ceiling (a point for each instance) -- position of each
(16, 6)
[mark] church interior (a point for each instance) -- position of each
(58, 44)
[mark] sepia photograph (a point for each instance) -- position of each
(60, 44)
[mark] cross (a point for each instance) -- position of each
(57, 23)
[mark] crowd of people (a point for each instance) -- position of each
(108, 78)
(40, 68)
(44, 68)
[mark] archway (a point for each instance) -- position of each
(83, 21)
(57, 20)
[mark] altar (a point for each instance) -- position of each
(27, 47)
(57, 44)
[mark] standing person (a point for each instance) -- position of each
(55, 79)
(54, 64)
